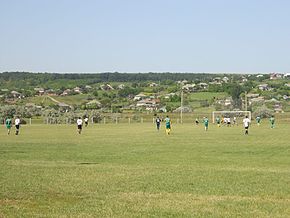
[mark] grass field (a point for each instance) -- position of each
(134, 171)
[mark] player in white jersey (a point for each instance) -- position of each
(86, 121)
(17, 125)
(246, 122)
(80, 125)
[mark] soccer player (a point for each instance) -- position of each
(225, 121)
(229, 121)
(80, 125)
(235, 121)
(246, 122)
(218, 121)
(8, 124)
(205, 122)
(158, 121)
(86, 121)
(167, 125)
(258, 120)
(272, 121)
(17, 125)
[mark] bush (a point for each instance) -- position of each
(263, 112)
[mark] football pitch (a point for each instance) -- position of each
(122, 170)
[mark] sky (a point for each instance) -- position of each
(145, 36)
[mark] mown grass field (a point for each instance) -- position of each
(134, 171)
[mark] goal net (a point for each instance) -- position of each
(231, 114)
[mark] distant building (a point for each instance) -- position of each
(106, 87)
(16, 94)
(77, 90)
(225, 79)
(274, 76)
(94, 103)
(121, 86)
(140, 97)
(40, 91)
(251, 95)
(169, 95)
(256, 100)
(153, 85)
(148, 104)
(203, 85)
(66, 92)
(287, 75)
(189, 87)
(263, 87)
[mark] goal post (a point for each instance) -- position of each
(231, 114)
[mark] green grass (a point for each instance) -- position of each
(134, 171)
(73, 99)
(46, 101)
(198, 96)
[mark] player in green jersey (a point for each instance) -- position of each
(218, 121)
(258, 120)
(8, 124)
(205, 122)
(167, 125)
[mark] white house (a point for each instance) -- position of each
(226, 79)
(263, 87)
(139, 97)
(78, 90)
(106, 87)
(189, 87)
(153, 84)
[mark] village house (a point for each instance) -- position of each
(252, 95)
(183, 82)
(225, 102)
(16, 94)
(274, 76)
(77, 90)
(203, 85)
(189, 87)
(256, 100)
(215, 83)
(140, 96)
(148, 103)
(225, 79)
(106, 87)
(153, 84)
(66, 92)
(40, 91)
(217, 79)
(94, 104)
(50, 92)
(263, 87)
(244, 79)
(228, 102)
(287, 75)
(169, 95)
(121, 86)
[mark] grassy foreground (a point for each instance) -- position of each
(134, 171)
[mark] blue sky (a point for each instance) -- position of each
(144, 36)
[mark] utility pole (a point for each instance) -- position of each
(181, 106)
(246, 101)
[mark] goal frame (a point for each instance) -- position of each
(248, 113)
